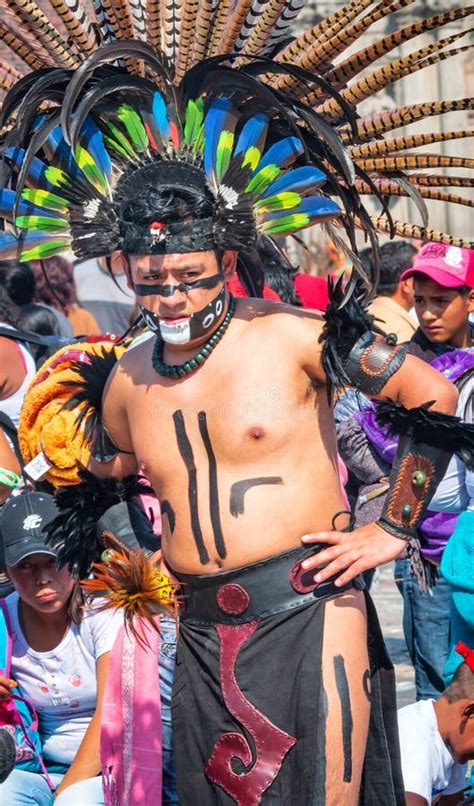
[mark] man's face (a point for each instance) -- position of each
(442, 312)
(40, 584)
(175, 308)
(462, 738)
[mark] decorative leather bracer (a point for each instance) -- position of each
(372, 361)
(427, 441)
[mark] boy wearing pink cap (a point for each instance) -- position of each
(444, 293)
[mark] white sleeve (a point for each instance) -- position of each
(451, 494)
(457, 782)
(103, 628)
(415, 755)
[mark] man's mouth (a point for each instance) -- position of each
(174, 320)
(47, 596)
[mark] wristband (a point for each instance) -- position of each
(9, 479)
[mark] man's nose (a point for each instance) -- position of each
(428, 315)
(43, 576)
(172, 293)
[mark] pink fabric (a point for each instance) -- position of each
(343, 476)
(130, 742)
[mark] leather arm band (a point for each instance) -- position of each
(103, 448)
(416, 472)
(372, 361)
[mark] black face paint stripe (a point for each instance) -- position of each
(187, 456)
(213, 488)
(342, 686)
(144, 290)
(239, 488)
(167, 509)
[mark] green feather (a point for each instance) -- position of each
(57, 177)
(45, 250)
(194, 122)
(286, 224)
(122, 141)
(134, 126)
(224, 153)
(116, 146)
(262, 179)
(281, 201)
(90, 169)
(252, 157)
(43, 198)
(40, 222)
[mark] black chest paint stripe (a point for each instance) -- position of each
(187, 456)
(213, 488)
(167, 509)
(342, 685)
(239, 488)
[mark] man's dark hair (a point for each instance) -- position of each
(462, 686)
(18, 280)
(395, 258)
(9, 312)
(168, 205)
(279, 272)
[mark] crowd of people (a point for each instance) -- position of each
(68, 656)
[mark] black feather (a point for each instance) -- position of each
(73, 532)
(442, 431)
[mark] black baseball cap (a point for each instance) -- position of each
(22, 523)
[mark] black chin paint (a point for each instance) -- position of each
(342, 685)
(239, 488)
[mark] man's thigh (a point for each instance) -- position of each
(345, 677)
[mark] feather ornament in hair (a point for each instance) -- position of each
(406, 230)
(201, 34)
(129, 581)
(38, 24)
(79, 27)
(234, 25)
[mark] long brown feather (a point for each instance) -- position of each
(405, 162)
(170, 13)
(154, 24)
(234, 25)
(419, 233)
(120, 18)
(390, 188)
(379, 147)
(34, 58)
(261, 30)
(335, 22)
(437, 180)
(188, 31)
(9, 72)
(37, 23)
(219, 21)
(365, 57)
(383, 122)
(391, 72)
(201, 34)
(78, 27)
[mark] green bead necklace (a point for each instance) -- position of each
(180, 370)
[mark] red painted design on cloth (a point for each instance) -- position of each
(301, 580)
(232, 599)
(271, 743)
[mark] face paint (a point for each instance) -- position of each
(194, 327)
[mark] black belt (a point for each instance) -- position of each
(262, 589)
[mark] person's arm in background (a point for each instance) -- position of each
(415, 800)
(87, 761)
(8, 461)
(451, 494)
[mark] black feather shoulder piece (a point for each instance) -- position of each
(345, 320)
(73, 533)
(442, 431)
(89, 386)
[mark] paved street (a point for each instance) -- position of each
(389, 607)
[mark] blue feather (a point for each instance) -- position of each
(10, 246)
(36, 173)
(314, 206)
(299, 180)
(160, 113)
(218, 117)
(62, 155)
(253, 133)
(94, 143)
(7, 201)
(282, 153)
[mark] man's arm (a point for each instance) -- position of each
(415, 800)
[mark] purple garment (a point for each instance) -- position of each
(435, 527)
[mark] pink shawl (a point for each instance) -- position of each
(130, 742)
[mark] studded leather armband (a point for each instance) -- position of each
(372, 361)
(416, 472)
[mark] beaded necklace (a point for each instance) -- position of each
(180, 370)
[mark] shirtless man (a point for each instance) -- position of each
(242, 455)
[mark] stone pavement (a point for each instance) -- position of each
(390, 609)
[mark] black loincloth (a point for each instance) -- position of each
(278, 672)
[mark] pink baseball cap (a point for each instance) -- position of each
(450, 266)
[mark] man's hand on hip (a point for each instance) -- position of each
(349, 553)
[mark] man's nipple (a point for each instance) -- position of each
(256, 432)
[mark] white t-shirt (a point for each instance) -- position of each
(428, 767)
(61, 683)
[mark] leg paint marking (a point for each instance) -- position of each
(187, 456)
(213, 488)
(342, 686)
(238, 490)
(366, 685)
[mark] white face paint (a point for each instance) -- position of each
(179, 333)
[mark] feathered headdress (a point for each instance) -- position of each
(189, 96)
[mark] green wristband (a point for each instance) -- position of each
(9, 479)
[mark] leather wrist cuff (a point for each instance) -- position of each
(416, 472)
(372, 361)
